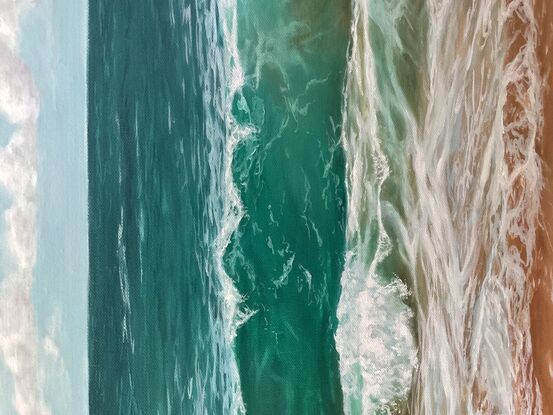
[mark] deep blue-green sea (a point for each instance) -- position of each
(157, 136)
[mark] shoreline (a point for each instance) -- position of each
(541, 277)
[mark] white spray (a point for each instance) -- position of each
(477, 181)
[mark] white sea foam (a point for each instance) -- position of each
(233, 209)
(471, 202)
(19, 343)
(374, 340)
(471, 228)
(230, 210)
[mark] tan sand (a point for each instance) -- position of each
(542, 276)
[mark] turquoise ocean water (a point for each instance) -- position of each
(157, 134)
(286, 255)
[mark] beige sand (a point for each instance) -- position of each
(542, 303)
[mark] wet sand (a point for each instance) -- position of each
(542, 275)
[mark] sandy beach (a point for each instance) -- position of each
(542, 303)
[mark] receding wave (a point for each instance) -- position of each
(477, 181)
(443, 179)
(375, 337)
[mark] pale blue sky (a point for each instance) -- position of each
(53, 43)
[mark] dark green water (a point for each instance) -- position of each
(156, 137)
(286, 256)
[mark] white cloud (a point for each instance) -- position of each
(10, 14)
(50, 341)
(19, 342)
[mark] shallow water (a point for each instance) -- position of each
(285, 257)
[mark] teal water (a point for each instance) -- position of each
(156, 136)
(286, 256)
